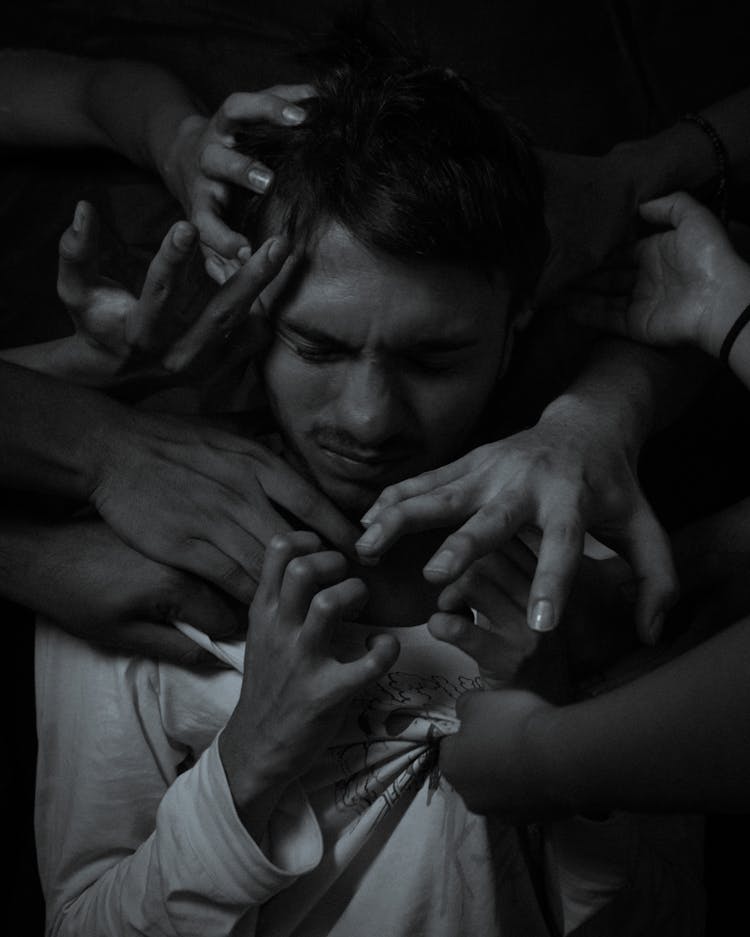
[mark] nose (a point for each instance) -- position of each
(370, 405)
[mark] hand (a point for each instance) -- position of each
(490, 759)
(96, 587)
(294, 689)
(198, 498)
(496, 588)
(686, 277)
(567, 475)
(203, 166)
(120, 336)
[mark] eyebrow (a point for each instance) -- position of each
(428, 345)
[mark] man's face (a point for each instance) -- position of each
(380, 369)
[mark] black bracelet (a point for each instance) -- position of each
(721, 195)
(739, 325)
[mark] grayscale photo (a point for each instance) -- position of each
(375, 530)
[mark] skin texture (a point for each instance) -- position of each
(378, 366)
(373, 371)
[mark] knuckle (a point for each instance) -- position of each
(279, 543)
(325, 604)
(300, 570)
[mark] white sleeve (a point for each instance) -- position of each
(125, 845)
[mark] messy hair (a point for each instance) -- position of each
(411, 159)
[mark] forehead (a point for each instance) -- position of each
(357, 295)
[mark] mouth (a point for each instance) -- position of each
(362, 464)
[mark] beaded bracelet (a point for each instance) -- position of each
(739, 325)
(722, 161)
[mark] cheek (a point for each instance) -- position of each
(296, 391)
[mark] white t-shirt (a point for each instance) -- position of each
(138, 834)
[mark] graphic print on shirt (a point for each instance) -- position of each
(395, 731)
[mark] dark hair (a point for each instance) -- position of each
(412, 161)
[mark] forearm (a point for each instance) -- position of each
(629, 390)
(682, 157)
(133, 108)
(676, 739)
(50, 433)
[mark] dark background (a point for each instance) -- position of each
(581, 76)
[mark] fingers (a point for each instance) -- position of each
(78, 257)
(277, 106)
(674, 209)
(331, 606)
(646, 547)
(231, 306)
(483, 533)
(150, 326)
(411, 487)
(307, 503)
(382, 652)
(495, 585)
(305, 577)
(441, 507)
(282, 549)
(559, 555)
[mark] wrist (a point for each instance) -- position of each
(730, 298)
(678, 157)
(580, 416)
(254, 787)
(179, 156)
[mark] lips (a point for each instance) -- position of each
(362, 464)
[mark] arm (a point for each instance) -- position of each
(127, 843)
(574, 471)
(203, 494)
(592, 201)
(133, 108)
(148, 116)
(675, 739)
(84, 578)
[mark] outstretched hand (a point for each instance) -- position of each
(121, 337)
(204, 166)
(563, 477)
(686, 276)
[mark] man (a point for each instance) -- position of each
(296, 790)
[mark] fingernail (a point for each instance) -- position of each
(183, 237)
(244, 253)
(367, 543)
(259, 179)
(79, 217)
(367, 518)
(293, 114)
(542, 616)
(654, 632)
(442, 564)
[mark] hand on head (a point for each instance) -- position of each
(204, 168)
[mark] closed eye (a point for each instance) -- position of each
(309, 350)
